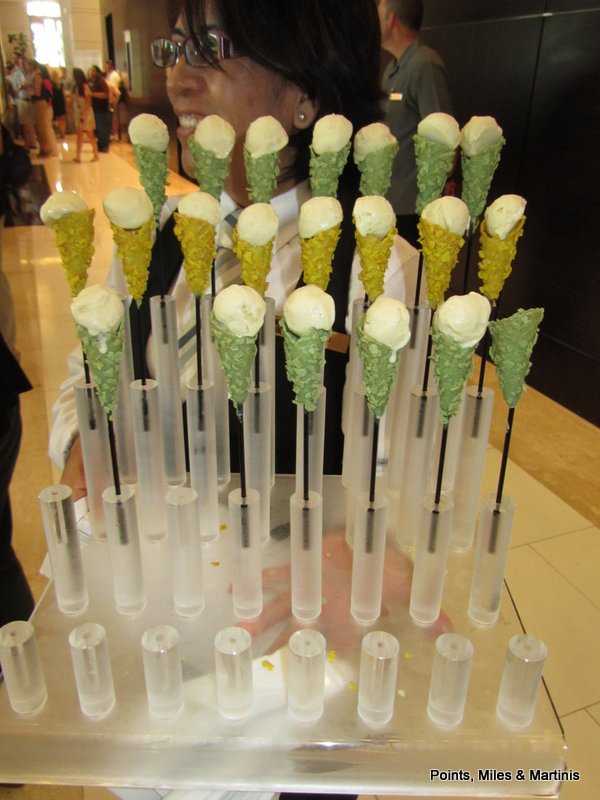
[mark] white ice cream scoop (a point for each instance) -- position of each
(128, 208)
(502, 215)
(448, 212)
(148, 130)
(309, 307)
(200, 205)
(240, 309)
(60, 204)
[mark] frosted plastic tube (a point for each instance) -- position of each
(354, 377)
(22, 667)
(215, 374)
(521, 678)
(449, 679)
(185, 542)
(161, 655)
(431, 557)
(124, 550)
(152, 483)
(368, 558)
(306, 675)
(453, 442)
(359, 470)
(306, 539)
(202, 444)
(163, 313)
(246, 566)
(316, 444)
(64, 550)
(422, 419)
(477, 418)
(266, 356)
(411, 367)
(92, 669)
(258, 429)
(122, 415)
(493, 540)
(95, 448)
(377, 678)
(233, 666)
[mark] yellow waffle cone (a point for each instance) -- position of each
(440, 254)
(255, 261)
(134, 248)
(197, 237)
(75, 241)
(317, 255)
(374, 256)
(495, 259)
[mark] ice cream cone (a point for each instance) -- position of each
(98, 315)
(75, 242)
(477, 172)
(440, 255)
(434, 164)
(211, 147)
(374, 229)
(329, 152)
(197, 237)
(458, 326)
(495, 259)
(265, 138)
(308, 316)
(73, 225)
(513, 340)
(382, 333)
(134, 248)
(237, 316)
(253, 241)
(375, 149)
(319, 228)
(150, 139)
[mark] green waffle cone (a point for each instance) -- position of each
(325, 171)
(152, 165)
(304, 359)
(380, 369)
(477, 174)
(453, 365)
(434, 162)
(103, 354)
(513, 339)
(261, 174)
(236, 354)
(209, 171)
(376, 170)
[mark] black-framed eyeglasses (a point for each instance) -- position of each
(214, 47)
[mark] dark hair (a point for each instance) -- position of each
(80, 80)
(327, 48)
(410, 12)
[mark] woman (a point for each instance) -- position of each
(226, 57)
(83, 114)
(42, 103)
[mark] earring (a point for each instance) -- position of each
(301, 116)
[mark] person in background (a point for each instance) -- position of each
(83, 114)
(100, 105)
(42, 103)
(114, 82)
(59, 104)
(416, 85)
(23, 79)
(16, 600)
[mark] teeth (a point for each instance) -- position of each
(189, 121)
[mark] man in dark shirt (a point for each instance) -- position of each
(416, 85)
(101, 108)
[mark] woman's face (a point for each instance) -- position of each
(239, 92)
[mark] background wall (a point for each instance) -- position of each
(535, 66)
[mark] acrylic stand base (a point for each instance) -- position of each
(269, 750)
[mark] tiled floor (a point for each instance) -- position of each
(553, 475)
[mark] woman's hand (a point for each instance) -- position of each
(73, 473)
(335, 621)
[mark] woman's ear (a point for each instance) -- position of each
(306, 112)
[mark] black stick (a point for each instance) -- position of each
(427, 364)
(467, 260)
(306, 454)
(243, 490)
(369, 534)
(504, 462)
(113, 456)
(418, 284)
(198, 339)
(161, 263)
(433, 530)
